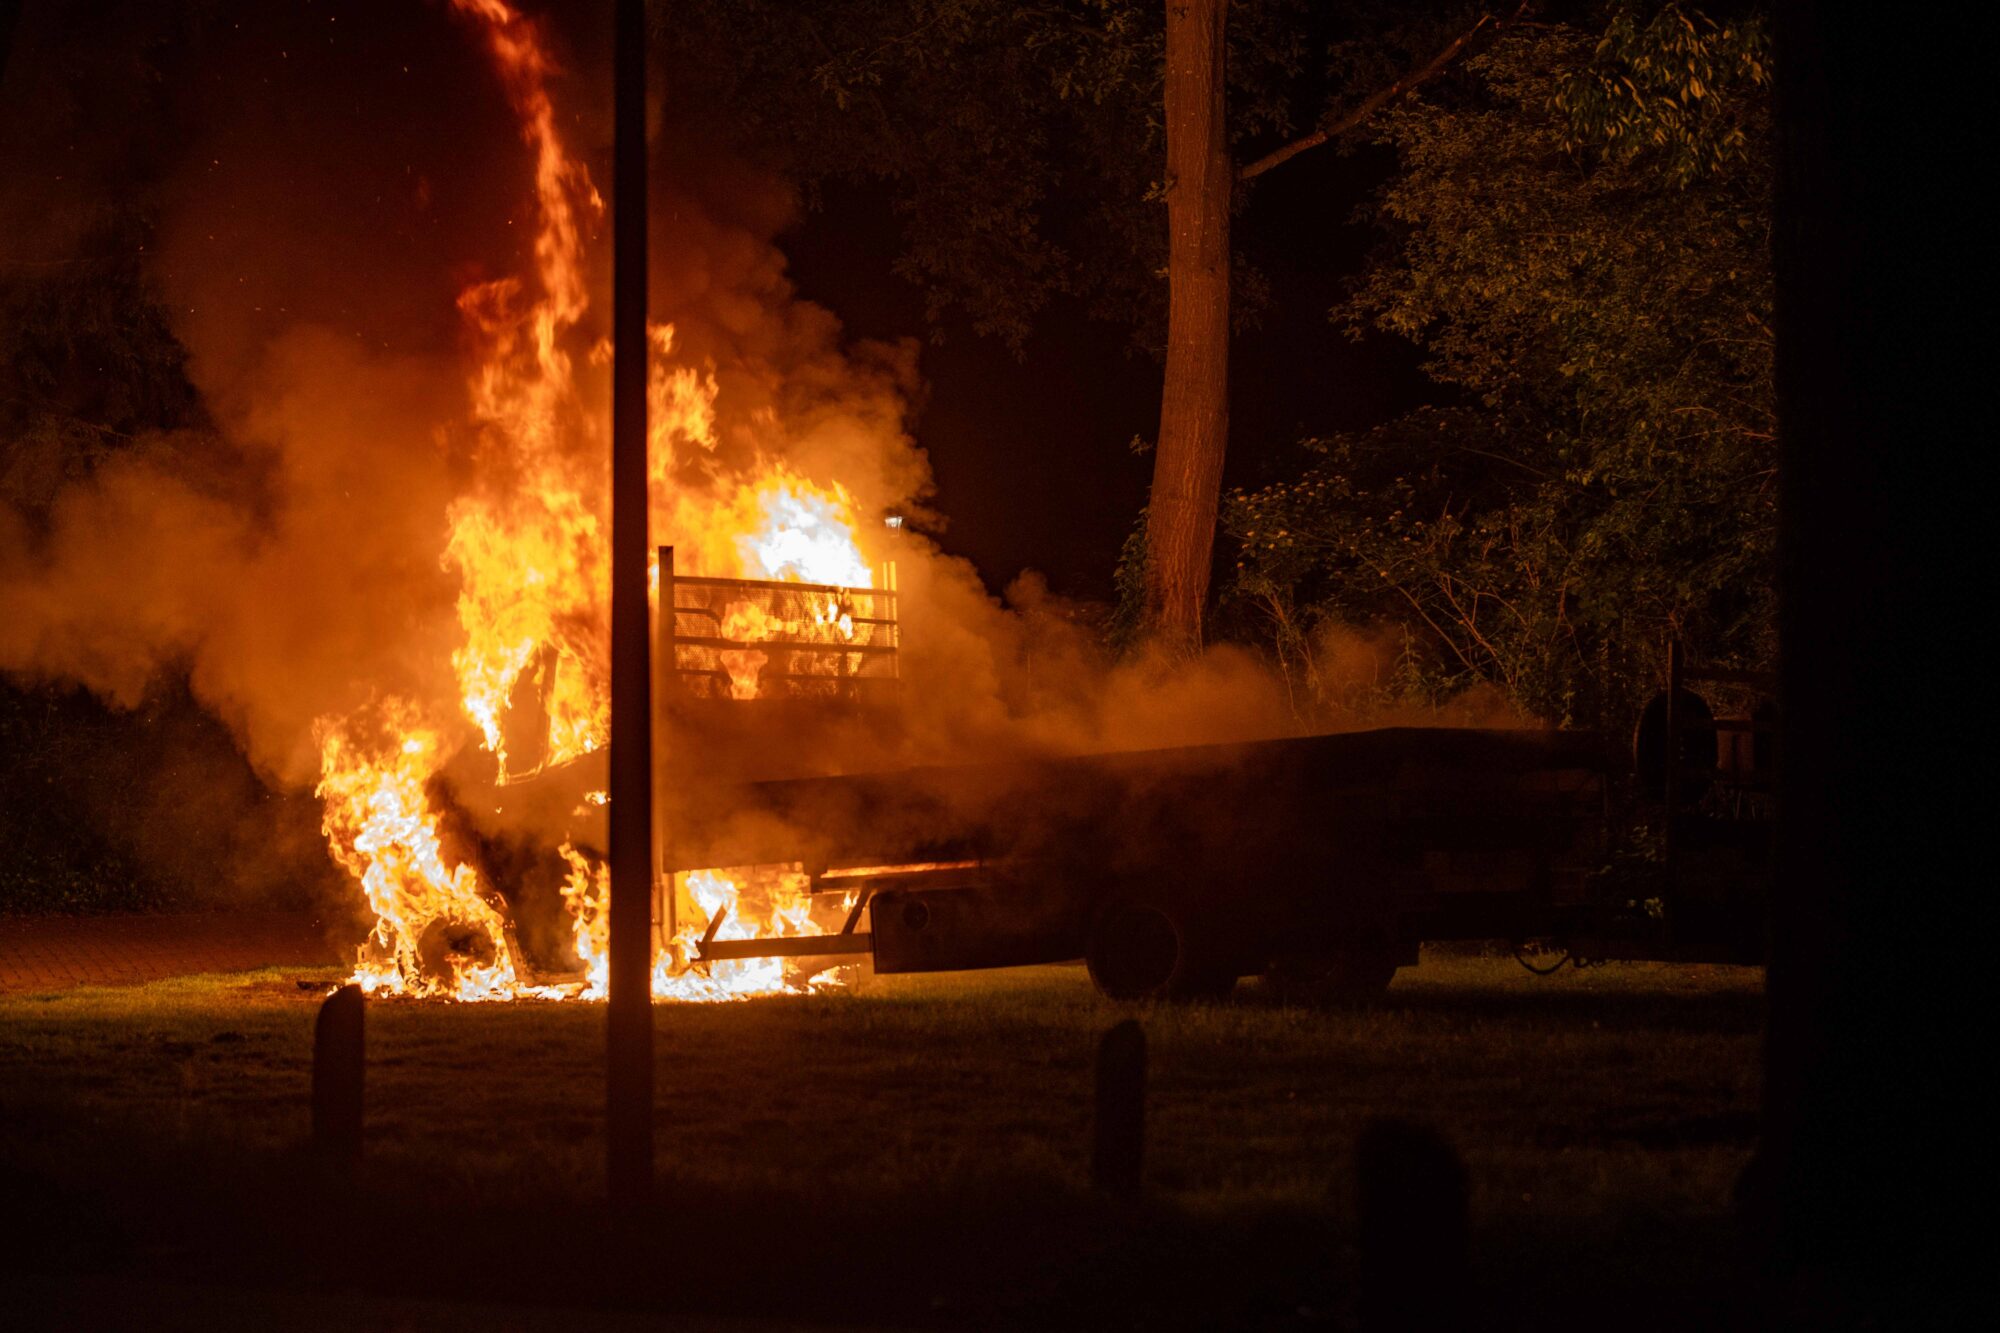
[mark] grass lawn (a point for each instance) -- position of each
(911, 1153)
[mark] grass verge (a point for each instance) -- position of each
(911, 1153)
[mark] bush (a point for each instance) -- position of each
(1590, 278)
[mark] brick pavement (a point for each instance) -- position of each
(45, 953)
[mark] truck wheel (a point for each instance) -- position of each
(1141, 951)
(1332, 979)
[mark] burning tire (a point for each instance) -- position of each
(1150, 951)
(447, 945)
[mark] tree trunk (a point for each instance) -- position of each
(1194, 403)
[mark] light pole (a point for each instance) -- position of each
(629, 1040)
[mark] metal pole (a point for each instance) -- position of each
(629, 1044)
(894, 614)
(666, 679)
(1672, 790)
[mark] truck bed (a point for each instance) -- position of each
(1133, 807)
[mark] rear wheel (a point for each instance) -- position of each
(1148, 951)
(1354, 977)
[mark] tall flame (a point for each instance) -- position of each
(528, 544)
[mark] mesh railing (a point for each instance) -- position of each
(739, 639)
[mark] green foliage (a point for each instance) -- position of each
(1021, 145)
(1672, 88)
(977, 116)
(946, 1133)
(1128, 615)
(1601, 472)
(105, 809)
(61, 857)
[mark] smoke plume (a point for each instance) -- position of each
(330, 266)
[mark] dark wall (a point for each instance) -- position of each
(1876, 981)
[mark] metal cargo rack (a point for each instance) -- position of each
(814, 643)
(819, 640)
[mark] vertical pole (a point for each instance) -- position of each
(1118, 1125)
(894, 615)
(1672, 789)
(629, 1044)
(666, 649)
(666, 679)
(337, 1074)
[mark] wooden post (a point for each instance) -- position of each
(1118, 1123)
(337, 1077)
(1415, 1236)
(629, 1036)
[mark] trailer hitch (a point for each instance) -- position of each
(712, 950)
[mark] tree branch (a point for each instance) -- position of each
(1420, 75)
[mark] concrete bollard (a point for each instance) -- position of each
(1415, 1239)
(338, 1045)
(1118, 1124)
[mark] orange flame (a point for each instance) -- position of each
(383, 830)
(782, 892)
(528, 546)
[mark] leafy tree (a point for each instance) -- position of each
(1021, 145)
(1647, 93)
(1578, 239)
(1026, 149)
